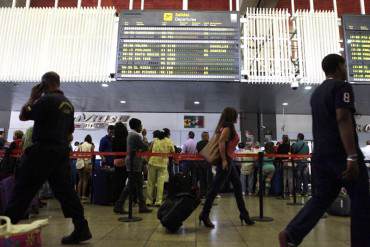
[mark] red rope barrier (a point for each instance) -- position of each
(179, 157)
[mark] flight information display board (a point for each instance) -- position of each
(178, 45)
(357, 47)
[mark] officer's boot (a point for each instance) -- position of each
(81, 233)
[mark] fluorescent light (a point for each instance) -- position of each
(196, 102)
(104, 85)
(285, 104)
(123, 102)
(308, 87)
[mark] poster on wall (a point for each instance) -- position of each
(193, 122)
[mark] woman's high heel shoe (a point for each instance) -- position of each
(206, 221)
(246, 219)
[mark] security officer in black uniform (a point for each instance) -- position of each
(48, 158)
(337, 159)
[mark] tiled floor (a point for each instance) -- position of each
(108, 231)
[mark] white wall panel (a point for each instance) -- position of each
(77, 43)
(293, 124)
(266, 47)
(318, 36)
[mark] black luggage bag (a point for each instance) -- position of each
(180, 203)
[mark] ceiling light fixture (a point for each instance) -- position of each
(196, 102)
(285, 104)
(123, 102)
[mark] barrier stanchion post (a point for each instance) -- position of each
(130, 217)
(294, 203)
(261, 216)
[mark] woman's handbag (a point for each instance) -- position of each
(119, 162)
(22, 235)
(211, 151)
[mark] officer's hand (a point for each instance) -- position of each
(36, 93)
(352, 171)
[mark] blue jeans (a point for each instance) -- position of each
(328, 183)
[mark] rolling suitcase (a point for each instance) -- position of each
(341, 206)
(102, 186)
(182, 200)
(175, 210)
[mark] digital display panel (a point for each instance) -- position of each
(178, 45)
(357, 47)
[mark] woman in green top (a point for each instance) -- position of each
(268, 168)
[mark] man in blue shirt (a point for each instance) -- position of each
(106, 146)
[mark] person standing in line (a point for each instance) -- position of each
(2, 139)
(228, 141)
(366, 151)
(119, 144)
(190, 166)
(105, 145)
(84, 167)
(27, 139)
(134, 165)
(301, 147)
(268, 168)
(172, 167)
(158, 174)
(337, 159)
(205, 169)
(48, 157)
(286, 165)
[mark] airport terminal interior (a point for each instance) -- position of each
(168, 108)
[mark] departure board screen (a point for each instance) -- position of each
(178, 45)
(357, 47)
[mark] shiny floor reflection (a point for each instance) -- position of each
(108, 231)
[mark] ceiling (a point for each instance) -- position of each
(173, 96)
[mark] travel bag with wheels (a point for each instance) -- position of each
(176, 210)
(102, 185)
(182, 200)
(341, 206)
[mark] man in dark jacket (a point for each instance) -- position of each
(48, 157)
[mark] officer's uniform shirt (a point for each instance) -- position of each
(329, 96)
(53, 114)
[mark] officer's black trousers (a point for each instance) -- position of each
(328, 183)
(41, 163)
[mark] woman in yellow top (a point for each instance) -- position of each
(157, 170)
